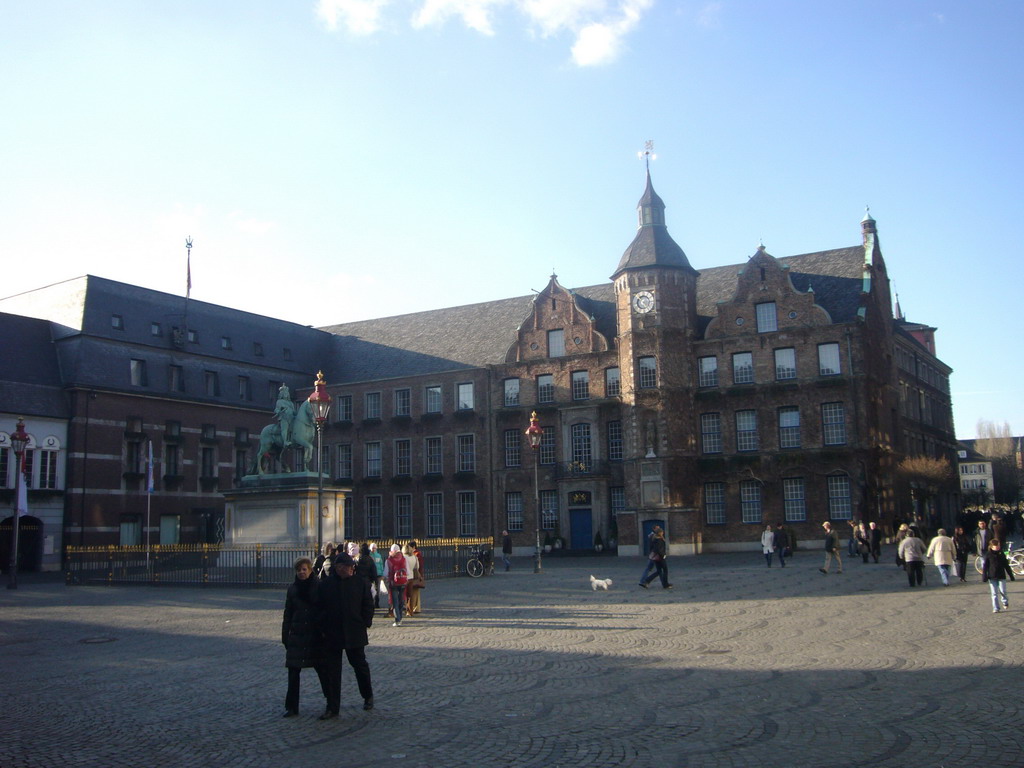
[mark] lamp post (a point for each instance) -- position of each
(535, 434)
(19, 441)
(320, 402)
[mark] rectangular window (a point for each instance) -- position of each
(225, 342)
(170, 530)
(138, 371)
(743, 368)
(581, 450)
(373, 459)
(612, 382)
(432, 399)
(403, 458)
(833, 424)
(580, 385)
(244, 388)
(5, 468)
(617, 499)
(372, 403)
(794, 499)
(193, 336)
(746, 431)
(257, 349)
(343, 452)
(466, 504)
(785, 364)
(711, 432)
(708, 372)
(241, 465)
(548, 510)
(467, 453)
(286, 353)
(131, 532)
(171, 466)
(434, 503)
(117, 322)
(789, 427)
(132, 457)
(615, 441)
(556, 343)
(511, 392)
(403, 515)
(839, 506)
(465, 393)
(513, 446)
(546, 388)
(48, 470)
(344, 408)
(547, 446)
(373, 517)
(403, 402)
(648, 372)
(767, 320)
(211, 383)
(207, 462)
(714, 503)
(175, 378)
(828, 360)
(155, 330)
(432, 455)
(750, 501)
(514, 511)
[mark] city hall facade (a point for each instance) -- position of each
(710, 403)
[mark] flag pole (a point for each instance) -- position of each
(149, 499)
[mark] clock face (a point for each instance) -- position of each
(643, 302)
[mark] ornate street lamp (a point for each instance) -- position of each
(320, 402)
(19, 441)
(535, 434)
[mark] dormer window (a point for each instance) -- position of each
(117, 322)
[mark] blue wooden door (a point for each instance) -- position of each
(581, 533)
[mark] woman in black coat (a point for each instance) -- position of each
(300, 631)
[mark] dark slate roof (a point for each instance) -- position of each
(653, 246)
(29, 369)
(476, 335)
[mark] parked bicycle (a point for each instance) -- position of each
(1014, 556)
(481, 561)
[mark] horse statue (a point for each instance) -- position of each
(294, 428)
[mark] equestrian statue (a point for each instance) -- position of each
(293, 428)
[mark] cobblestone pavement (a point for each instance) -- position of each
(739, 665)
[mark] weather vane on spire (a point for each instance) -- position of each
(188, 266)
(648, 153)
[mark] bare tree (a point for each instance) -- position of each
(994, 440)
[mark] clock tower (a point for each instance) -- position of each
(656, 311)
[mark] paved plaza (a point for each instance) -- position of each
(739, 665)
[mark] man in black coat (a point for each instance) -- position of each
(346, 613)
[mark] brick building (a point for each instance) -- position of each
(707, 402)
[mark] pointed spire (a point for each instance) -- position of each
(899, 312)
(652, 246)
(867, 224)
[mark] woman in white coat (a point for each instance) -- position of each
(767, 544)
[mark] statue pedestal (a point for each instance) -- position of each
(281, 510)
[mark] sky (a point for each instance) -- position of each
(337, 160)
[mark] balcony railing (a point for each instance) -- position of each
(568, 469)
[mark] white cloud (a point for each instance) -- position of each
(360, 17)
(598, 26)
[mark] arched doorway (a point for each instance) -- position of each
(30, 543)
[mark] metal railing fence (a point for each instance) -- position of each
(254, 565)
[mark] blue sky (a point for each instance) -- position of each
(345, 159)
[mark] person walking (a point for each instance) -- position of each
(831, 549)
(365, 566)
(912, 551)
(995, 569)
(659, 553)
(875, 540)
(415, 585)
(322, 564)
(300, 634)
(780, 540)
(506, 550)
(962, 544)
(649, 568)
(863, 541)
(346, 612)
(942, 550)
(981, 537)
(379, 586)
(768, 543)
(396, 574)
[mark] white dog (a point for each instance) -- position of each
(596, 584)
